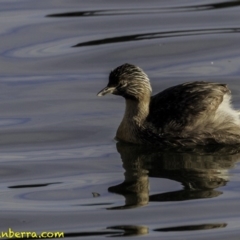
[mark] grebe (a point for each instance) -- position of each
(192, 113)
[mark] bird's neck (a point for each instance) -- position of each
(136, 111)
(135, 115)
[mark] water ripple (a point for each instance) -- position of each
(47, 49)
(60, 47)
(192, 227)
(157, 35)
(33, 185)
(95, 13)
(5, 122)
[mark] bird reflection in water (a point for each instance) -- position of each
(201, 171)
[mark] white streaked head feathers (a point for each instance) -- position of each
(130, 80)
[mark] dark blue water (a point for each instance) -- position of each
(61, 169)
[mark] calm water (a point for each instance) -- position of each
(61, 169)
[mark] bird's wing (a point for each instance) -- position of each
(180, 106)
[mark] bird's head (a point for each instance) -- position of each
(128, 81)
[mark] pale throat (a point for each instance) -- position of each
(136, 113)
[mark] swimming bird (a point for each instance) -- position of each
(189, 114)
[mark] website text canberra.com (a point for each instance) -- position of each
(10, 233)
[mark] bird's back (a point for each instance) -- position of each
(199, 109)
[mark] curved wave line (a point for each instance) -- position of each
(144, 36)
(94, 13)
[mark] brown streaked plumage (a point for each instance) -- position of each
(193, 113)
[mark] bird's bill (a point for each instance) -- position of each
(105, 91)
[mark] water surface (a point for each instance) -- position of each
(61, 169)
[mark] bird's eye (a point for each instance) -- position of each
(123, 85)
